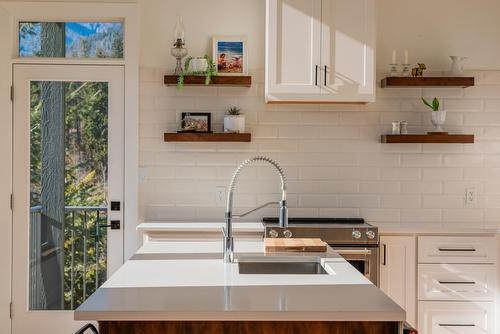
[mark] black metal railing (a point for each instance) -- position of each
(81, 255)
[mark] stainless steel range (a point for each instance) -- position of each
(353, 238)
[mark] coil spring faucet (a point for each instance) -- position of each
(283, 211)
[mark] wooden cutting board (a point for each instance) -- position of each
(294, 245)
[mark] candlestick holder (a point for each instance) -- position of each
(393, 70)
(406, 70)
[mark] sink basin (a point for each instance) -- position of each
(281, 266)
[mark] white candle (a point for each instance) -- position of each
(406, 57)
(393, 57)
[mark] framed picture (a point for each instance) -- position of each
(230, 55)
(196, 122)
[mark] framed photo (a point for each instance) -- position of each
(196, 122)
(230, 55)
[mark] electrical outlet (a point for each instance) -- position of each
(220, 196)
(470, 196)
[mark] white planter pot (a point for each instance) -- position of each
(198, 65)
(234, 123)
(437, 119)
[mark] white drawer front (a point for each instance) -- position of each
(456, 318)
(434, 249)
(460, 282)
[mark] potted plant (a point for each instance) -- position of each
(234, 121)
(438, 116)
(203, 66)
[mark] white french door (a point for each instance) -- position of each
(68, 185)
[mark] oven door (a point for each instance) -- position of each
(364, 259)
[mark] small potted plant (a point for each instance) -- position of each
(438, 116)
(234, 120)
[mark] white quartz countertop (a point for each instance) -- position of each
(187, 280)
(258, 227)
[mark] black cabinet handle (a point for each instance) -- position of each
(453, 282)
(445, 249)
(457, 325)
(87, 327)
(316, 75)
(384, 262)
(326, 69)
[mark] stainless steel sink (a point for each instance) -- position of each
(281, 266)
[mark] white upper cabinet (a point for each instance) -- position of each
(320, 51)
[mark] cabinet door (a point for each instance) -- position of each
(398, 272)
(293, 49)
(348, 50)
(456, 318)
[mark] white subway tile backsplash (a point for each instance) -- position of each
(332, 155)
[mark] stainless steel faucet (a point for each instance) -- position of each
(283, 214)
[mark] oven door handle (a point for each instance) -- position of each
(354, 251)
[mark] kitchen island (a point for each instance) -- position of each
(183, 286)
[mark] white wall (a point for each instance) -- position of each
(5, 174)
(332, 154)
(431, 30)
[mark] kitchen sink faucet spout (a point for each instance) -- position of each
(283, 211)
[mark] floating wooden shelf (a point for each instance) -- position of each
(428, 139)
(427, 82)
(218, 80)
(208, 137)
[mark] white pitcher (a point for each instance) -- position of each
(457, 66)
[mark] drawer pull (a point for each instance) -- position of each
(457, 325)
(465, 282)
(445, 249)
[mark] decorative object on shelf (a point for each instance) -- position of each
(406, 70)
(418, 72)
(396, 128)
(196, 122)
(457, 66)
(393, 70)
(438, 116)
(403, 127)
(208, 71)
(179, 51)
(234, 121)
(230, 54)
(198, 65)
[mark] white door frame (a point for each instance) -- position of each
(10, 14)
(25, 321)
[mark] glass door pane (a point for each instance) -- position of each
(68, 192)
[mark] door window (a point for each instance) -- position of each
(71, 39)
(68, 192)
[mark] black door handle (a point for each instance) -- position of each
(114, 225)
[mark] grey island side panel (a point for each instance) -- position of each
(285, 303)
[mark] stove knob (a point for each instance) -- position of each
(273, 234)
(287, 234)
(356, 234)
(370, 234)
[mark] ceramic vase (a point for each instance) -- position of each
(197, 65)
(437, 119)
(234, 123)
(457, 66)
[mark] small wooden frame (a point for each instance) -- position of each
(428, 138)
(218, 80)
(427, 82)
(207, 137)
